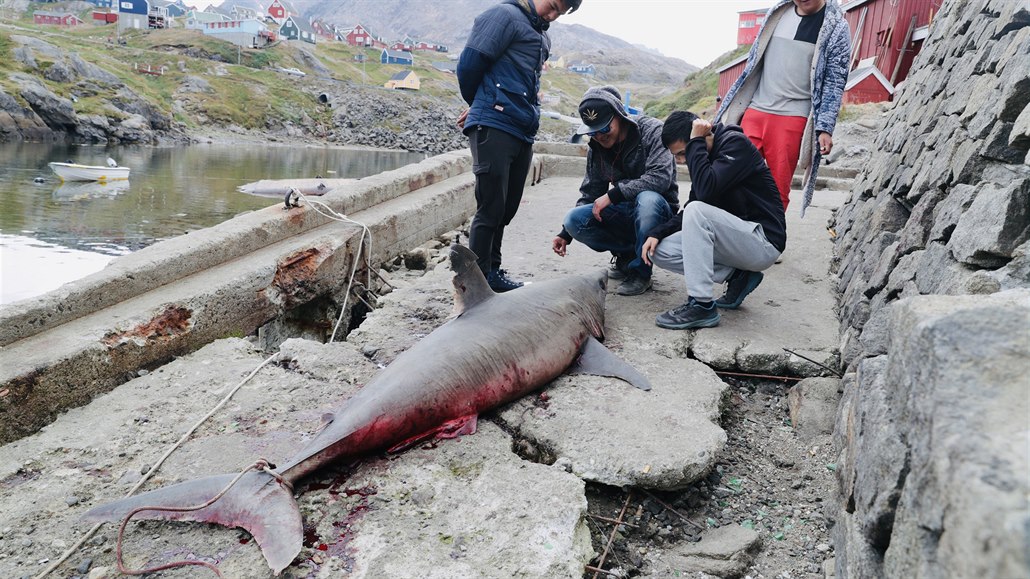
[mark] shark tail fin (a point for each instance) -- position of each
(257, 503)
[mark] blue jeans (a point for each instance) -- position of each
(623, 227)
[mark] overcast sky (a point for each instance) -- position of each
(696, 31)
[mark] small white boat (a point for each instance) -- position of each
(76, 172)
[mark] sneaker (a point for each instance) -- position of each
(617, 270)
(500, 282)
(738, 286)
(634, 286)
(690, 315)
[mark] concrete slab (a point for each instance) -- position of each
(393, 516)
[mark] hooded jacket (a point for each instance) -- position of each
(829, 77)
(499, 69)
(735, 178)
(640, 163)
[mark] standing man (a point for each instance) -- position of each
(499, 77)
(790, 93)
(630, 187)
(731, 228)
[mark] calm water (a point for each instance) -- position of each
(52, 233)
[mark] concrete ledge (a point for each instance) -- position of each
(171, 260)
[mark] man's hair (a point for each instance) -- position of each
(677, 127)
(572, 5)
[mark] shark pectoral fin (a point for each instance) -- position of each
(256, 503)
(470, 287)
(597, 360)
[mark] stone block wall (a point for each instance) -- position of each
(933, 264)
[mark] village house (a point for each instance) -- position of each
(748, 24)
(446, 66)
(296, 29)
(55, 18)
(361, 36)
(581, 68)
(134, 14)
(104, 16)
(323, 29)
(406, 80)
(249, 33)
(396, 57)
(196, 19)
(886, 35)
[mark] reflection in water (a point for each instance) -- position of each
(171, 191)
(77, 190)
(29, 267)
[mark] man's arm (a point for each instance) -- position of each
(659, 171)
(491, 34)
(730, 166)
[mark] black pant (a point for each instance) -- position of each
(501, 163)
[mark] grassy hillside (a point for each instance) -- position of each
(698, 92)
(241, 86)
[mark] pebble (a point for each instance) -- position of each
(822, 547)
(84, 566)
(71, 501)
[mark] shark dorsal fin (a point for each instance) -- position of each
(470, 287)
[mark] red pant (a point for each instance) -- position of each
(778, 139)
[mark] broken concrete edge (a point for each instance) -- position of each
(170, 260)
(48, 373)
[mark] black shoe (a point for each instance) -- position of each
(738, 286)
(634, 286)
(500, 282)
(690, 315)
(617, 270)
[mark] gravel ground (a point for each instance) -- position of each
(767, 479)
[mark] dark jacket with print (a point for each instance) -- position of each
(639, 163)
(499, 69)
(734, 178)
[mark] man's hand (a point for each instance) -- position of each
(461, 120)
(599, 205)
(700, 128)
(559, 245)
(647, 250)
(825, 143)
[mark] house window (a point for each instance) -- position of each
(747, 23)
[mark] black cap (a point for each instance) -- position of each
(596, 114)
(572, 5)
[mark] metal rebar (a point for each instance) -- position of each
(611, 538)
(381, 278)
(611, 520)
(762, 376)
(672, 510)
(597, 570)
(823, 366)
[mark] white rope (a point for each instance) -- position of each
(71, 551)
(318, 206)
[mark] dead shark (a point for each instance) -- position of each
(498, 348)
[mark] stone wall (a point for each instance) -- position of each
(933, 425)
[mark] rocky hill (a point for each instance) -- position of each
(450, 22)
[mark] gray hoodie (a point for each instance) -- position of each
(639, 163)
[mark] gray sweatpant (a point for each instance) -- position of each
(712, 244)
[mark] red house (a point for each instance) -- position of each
(278, 11)
(104, 17)
(748, 24)
(886, 35)
(729, 73)
(55, 18)
(361, 36)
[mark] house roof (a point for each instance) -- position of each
(402, 75)
(732, 63)
(300, 23)
(397, 53)
(860, 74)
(57, 14)
(445, 66)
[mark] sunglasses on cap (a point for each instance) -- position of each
(607, 128)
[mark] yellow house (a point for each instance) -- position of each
(406, 80)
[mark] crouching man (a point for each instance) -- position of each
(630, 187)
(731, 228)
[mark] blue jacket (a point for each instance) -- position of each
(829, 77)
(499, 69)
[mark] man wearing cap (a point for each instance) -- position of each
(499, 77)
(630, 187)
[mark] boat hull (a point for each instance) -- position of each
(75, 172)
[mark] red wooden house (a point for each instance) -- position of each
(279, 11)
(104, 16)
(729, 73)
(55, 18)
(748, 24)
(361, 36)
(886, 35)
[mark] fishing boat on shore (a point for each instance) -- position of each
(76, 172)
